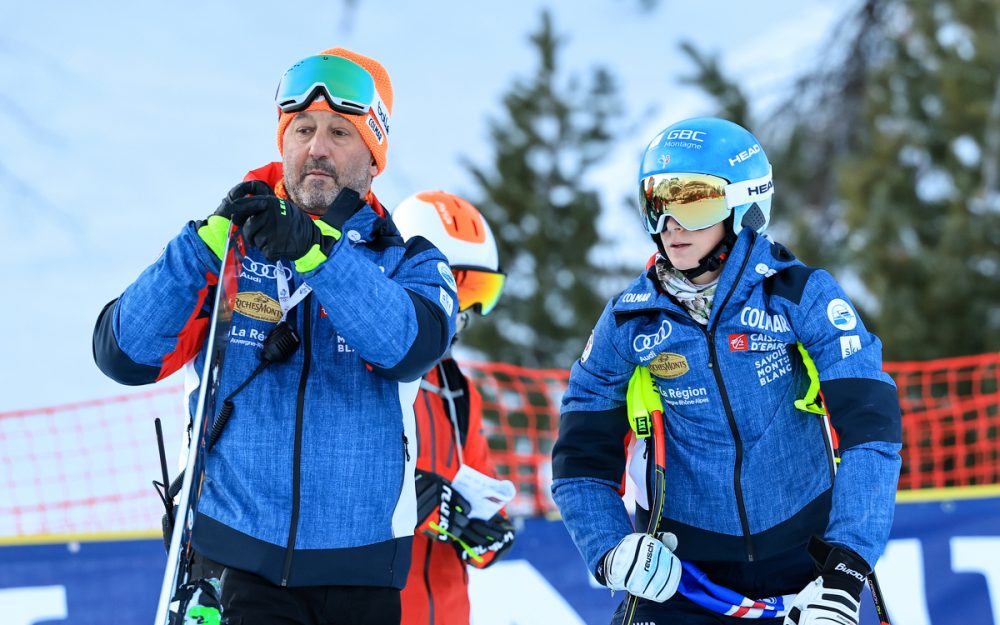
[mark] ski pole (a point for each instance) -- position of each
(815, 403)
(877, 598)
(645, 415)
(185, 502)
(164, 489)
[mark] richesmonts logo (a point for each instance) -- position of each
(669, 366)
(256, 305)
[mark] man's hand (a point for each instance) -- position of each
(644, 566)
(280, 229)
(833, 598)
(442, 513)
(215, 229)
(485, 542)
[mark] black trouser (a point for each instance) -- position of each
(203, 568)
(251, 600)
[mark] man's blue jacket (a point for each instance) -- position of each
(311, 482)
(748, 475)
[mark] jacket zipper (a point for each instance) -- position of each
(449, 403)
(427, 583)
(406, 459)
(713, 363)
(430, 425)
(297, 455)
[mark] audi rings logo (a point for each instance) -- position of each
(645, 342)
(264, 270)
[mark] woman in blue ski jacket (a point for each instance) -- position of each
(748, 348)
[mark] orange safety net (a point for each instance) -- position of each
(88, 467)
(951, 421)
(521, 422)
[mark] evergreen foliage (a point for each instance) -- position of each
(887, 169)
(544, 211)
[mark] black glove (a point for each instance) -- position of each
(214, 230)
(488, 541)
(834, 597)
(250, 188)
(442, 513)
(280, 229)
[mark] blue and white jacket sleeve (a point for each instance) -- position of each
(588, 460)
(160, 321)
(864, 409)
(401, 324)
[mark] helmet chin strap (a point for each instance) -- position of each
(713, 260)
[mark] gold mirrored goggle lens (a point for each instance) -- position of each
(696, 201)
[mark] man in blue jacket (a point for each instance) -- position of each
(308, 496)
(741, 339)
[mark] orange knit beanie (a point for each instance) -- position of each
(369, 126)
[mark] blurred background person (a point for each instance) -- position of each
(450, 441)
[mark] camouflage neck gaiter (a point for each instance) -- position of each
(695, 298)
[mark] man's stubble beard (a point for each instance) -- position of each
(315, 197)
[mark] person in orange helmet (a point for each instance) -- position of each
(450, 441)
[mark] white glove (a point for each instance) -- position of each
(644, 566)
(819, 605)
(833, 598)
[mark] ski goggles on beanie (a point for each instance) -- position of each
(478, 288)
(346, 86)
(696, 201)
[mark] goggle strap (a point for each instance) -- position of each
(754, 190)
(320, 90)
(381, 112)
(378, 118)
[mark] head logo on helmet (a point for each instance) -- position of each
(713, 147)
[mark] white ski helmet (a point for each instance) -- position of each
(460, 231)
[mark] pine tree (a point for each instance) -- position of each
(887, 169)
(923, 194)
(544, 210)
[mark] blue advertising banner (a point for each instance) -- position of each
(942, 567)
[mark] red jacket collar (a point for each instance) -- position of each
(273, 175)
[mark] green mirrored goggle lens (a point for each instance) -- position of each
(347, 86)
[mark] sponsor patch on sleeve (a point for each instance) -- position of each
(849, 345)
(447, 302)
(447, 276)
(841, 315)
(588, 348)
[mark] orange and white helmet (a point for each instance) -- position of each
(462, 234)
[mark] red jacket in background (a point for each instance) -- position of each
(437, 589)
